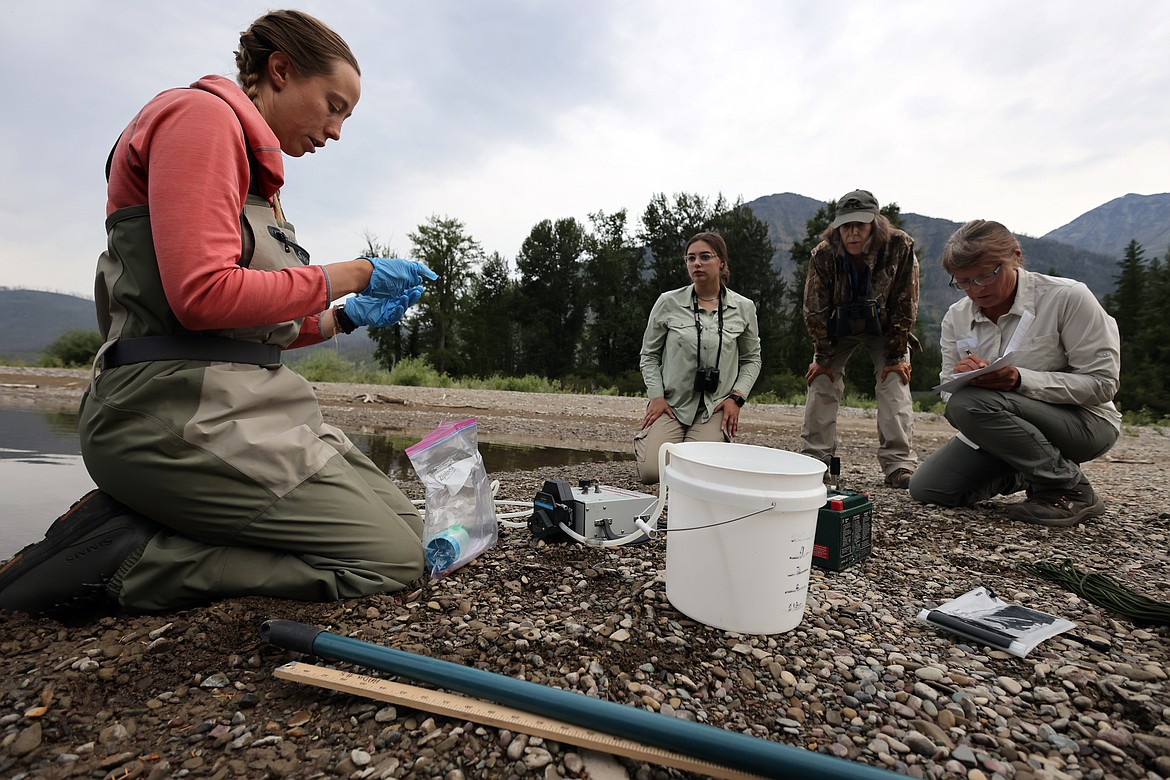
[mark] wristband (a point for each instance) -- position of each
(344, 323)
(739, 400)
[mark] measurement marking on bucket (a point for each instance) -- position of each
(488, 713)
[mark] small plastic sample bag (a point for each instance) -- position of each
(460, 521)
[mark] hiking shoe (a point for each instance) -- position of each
(899, 478)
(1058, 508)
(82, 550)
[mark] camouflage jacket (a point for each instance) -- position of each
(893, 282)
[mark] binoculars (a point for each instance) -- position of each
(706, 380)
(858, 317)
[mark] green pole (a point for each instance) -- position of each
(726, 748)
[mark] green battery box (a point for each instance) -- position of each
(844, 530)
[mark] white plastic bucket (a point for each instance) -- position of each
(740, 533)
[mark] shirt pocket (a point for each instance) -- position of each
(733, 329)
(1041, 352)
(680, 332)
(734, 325)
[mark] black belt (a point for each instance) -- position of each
(210, 348)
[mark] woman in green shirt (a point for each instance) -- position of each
(700, 357)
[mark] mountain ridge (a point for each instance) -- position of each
(1088, 248)
(1111, 226)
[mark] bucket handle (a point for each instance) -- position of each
(652, 521)
(724, 522)
(663, 453)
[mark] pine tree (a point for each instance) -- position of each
(1145, 333)
(444, 246)
(390, 343)
(797, 348)
(614, 287)
(1128, 299)
(551, 308)
(754, 275)
(667, 226)
(489, 333)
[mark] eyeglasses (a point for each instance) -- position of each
(979, 281)
(702, 257)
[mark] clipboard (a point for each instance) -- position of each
(958, 380)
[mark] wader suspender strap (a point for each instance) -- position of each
(247, 239)
(190, 346)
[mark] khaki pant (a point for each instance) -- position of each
(895, 409)
(667, 429)
(1015, 442)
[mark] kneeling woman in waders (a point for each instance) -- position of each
(216, 474)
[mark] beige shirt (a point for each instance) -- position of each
(1065, 345)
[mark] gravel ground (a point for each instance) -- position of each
(192, 693)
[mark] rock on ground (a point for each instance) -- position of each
(192, 693)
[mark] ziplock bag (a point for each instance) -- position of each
(460, 521)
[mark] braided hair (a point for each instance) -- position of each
(310, 46)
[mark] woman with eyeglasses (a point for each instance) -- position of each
(862, 292)
(1030, 423)
(700, 357)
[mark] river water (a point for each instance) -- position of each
(41, 472)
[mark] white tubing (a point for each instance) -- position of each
(651, 533)
(661, 502)
(503, 518)
(606, 542)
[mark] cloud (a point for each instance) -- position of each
(505, 113)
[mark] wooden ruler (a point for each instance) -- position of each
(478, 711)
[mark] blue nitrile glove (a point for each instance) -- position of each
(380, 312)
(392, 276)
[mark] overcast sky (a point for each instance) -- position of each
(503, 113)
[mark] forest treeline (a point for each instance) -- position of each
(1138, 303)
(572, 306)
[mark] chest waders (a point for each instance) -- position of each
(209, 435)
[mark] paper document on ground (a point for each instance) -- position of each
(980, 615)
(958, 380)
